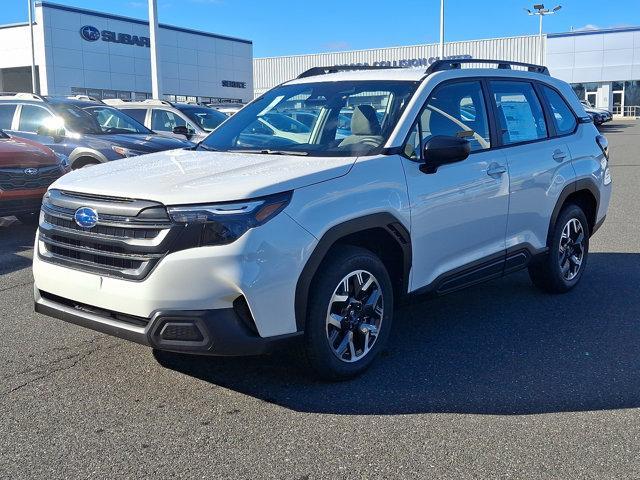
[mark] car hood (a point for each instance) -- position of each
(22, 153)
(180, 177)
(145, 143)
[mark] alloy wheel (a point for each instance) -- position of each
(354, 316)
(571, 249)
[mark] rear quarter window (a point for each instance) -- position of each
(563, 117)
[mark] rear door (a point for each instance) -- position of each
(539, 159)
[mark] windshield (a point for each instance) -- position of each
(113, 121)
(206, 118)
(330, 118)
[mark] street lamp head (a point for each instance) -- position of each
(555, 9)
(539, 6)
(528, 11)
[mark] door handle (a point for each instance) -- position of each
(495, 170)
(559, 155)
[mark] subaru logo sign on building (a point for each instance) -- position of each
(92, 34)
(86, 217)
(89, 33)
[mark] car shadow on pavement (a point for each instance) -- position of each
(15, 239)
(499, 348)
(615, 127)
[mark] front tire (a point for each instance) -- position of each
(562, 268)
(349, 315)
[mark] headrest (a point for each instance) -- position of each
(365, 121)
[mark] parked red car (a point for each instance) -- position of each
(26, 170)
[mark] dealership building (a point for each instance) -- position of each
(79, 51)
(603, 66)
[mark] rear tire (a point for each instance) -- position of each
(563, 266)
(349, 315)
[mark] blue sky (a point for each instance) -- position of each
(285, 27)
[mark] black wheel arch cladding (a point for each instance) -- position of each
(387, 222)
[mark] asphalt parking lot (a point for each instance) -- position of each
(499, 381)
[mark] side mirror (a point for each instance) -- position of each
(181, 130)
(441, 150)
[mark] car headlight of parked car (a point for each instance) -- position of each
(126, 152)
(62, 159)
(223, 223)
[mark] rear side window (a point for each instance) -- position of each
(520, 114)
(563, 118)
(6, 115)
(31, 118)
(137, 113)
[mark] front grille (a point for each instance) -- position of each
(128, 241)
(18, 179)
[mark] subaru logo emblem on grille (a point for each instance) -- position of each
(90, 33)
(31, 171)
(86, 217)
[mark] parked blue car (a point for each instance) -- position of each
(85, 130)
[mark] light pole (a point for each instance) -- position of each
(541, 12)
(34, 84)
(156, 83)
(441, 47)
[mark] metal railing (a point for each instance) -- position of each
(627, 110)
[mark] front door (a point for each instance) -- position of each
(458, 213)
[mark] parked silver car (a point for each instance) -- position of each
(183, 120)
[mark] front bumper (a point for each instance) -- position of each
(262, 266)
(222, 332)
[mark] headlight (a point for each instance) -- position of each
(126, 152)
(223, 223)
(63, 159)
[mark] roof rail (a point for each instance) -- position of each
(312, 72)
(115, 101)
(86, 98)
(155, 101)
(23, 96)
(453, 64)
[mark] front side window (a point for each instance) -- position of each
(345, 118)
(32, 118)
(457, 110)
(6, 115)
(113, 121)
(520, 115)
(166, 121)
(563, 117)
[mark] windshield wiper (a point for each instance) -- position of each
(205, 147)
(273, 152)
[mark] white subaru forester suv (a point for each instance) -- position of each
(407, 182)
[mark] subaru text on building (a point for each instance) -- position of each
(86, 130)
(253, 240)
